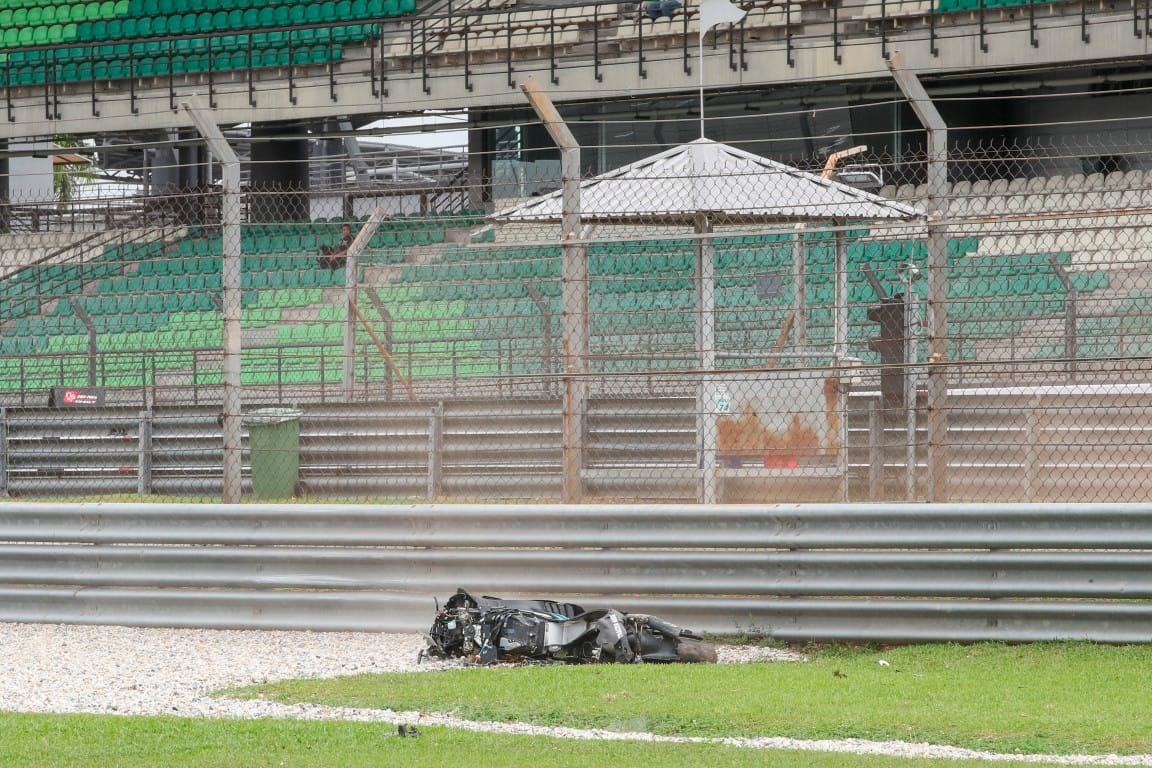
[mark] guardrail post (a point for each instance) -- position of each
(435, 441)
(144, 474)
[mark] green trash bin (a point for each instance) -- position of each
(274, 442)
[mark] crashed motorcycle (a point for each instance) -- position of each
(486, 630)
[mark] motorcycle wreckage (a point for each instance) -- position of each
(486, 630)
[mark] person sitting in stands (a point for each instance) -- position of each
(335, 256)
(656, 9)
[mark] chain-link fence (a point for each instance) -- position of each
(718, 327)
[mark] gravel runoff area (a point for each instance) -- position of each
(153, 671)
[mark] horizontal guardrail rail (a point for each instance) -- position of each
(884, 572)
(946, 574)
(616, 526)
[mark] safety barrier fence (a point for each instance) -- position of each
(891, 573)
(783, 337)
(1083, 443)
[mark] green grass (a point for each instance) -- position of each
(1061, 698)
(84, 741)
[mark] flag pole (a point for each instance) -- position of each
(713, 12)
(700, 66)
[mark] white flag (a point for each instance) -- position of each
(713, 12)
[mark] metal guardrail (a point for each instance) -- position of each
(797, 572)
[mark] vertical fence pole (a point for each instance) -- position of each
(799, 292)
(937, 233)
(546, 383)
(144, 473)
(1031, 448)
(840, 349)
(230, 282)
(875, 452)
(3, 451)
(435, 444)
(840, 297)
(706, 420)
(574, 290)
(911, 337)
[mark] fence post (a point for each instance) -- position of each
(144, 475)
(1031, 452)
(547, 383)
(435, 440)
(574, 290)
(937, 233)
(1071, 316)
(911, 352)
(230, 282)
(3, 451)
(875, 452)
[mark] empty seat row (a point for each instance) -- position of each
(121, 20)
(154, 8)
(43, 44)
(60, 13)
(156, 58)
(278, 16)
(541, 29)
(529, 18)
(974, 5)
(1139, 180)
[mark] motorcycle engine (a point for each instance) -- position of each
(455, 632)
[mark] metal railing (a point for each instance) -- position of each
(796, 573)
(1006, 444)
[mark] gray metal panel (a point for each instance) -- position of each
(839, 526)
(85, 452)
(876, 572)
(784, 619)
(1100, 575)
(905, 621)
(213, 609)
(187, 452)
(513, 452)
(352, 448)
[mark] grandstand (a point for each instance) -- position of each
(154, 304)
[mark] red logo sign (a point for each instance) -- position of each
(76, 397)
